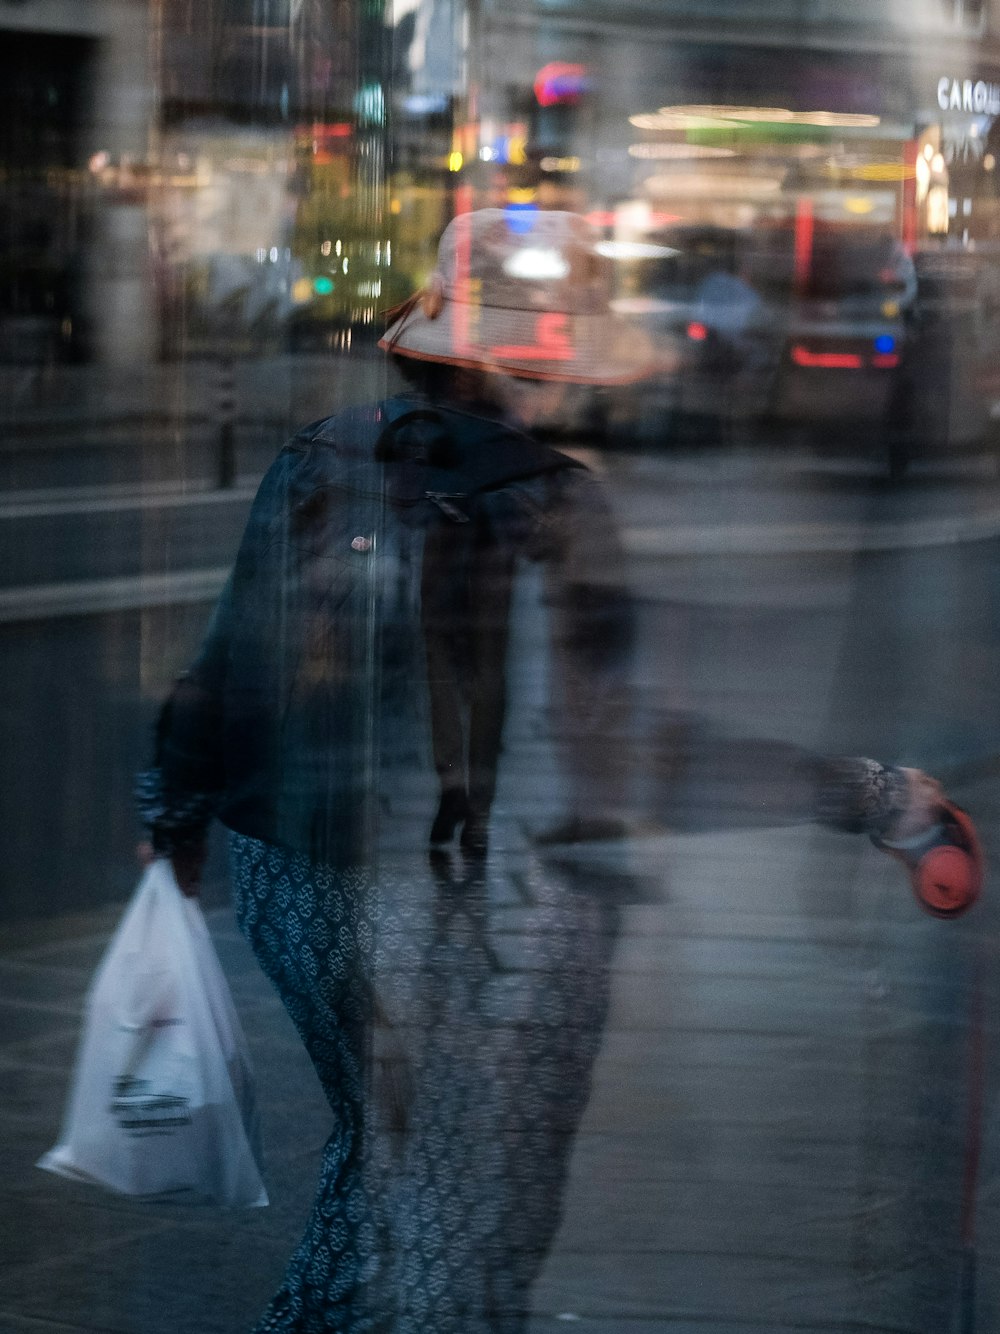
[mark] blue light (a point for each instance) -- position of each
(520, 218)
(885, 343)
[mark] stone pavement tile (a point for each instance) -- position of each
(566, 1322)
(12, 1323)
(699, 1288)
(679, 1151)
(900, 963)
(682, 1049)
(215, 1278)
(22, 938)
(295, 1126)
(734, 1219)
(28, 983)
(81, 952)
(728, 956)
(830, 934)
(23, 1140)
(25, 1024)
(781, 872)
(741, 1153)
(648, 1110)
(236, 957)
(853, 1225)
(64, 1218)
(54, 1048)
(785, 1089)
(784, 1006)
(987, 1286)
(32, 1094)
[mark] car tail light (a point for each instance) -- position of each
(697, 331)
(845, 361)
(855, 356)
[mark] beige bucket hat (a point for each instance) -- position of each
(526, 293)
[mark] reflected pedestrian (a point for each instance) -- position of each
(349, 707)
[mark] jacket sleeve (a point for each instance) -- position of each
(184, 786)
(858, 795)
(180, 792)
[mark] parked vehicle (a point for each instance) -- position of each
(843, 316)
(755, 328)
(951, 377)
(715, 333)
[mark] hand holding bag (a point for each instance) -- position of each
(162, 1093)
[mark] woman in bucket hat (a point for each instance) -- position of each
(523, 294)
(413, 575)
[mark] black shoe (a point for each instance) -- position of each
(453, 809)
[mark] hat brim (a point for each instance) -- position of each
(580, 349)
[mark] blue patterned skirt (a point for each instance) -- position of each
(452, 1017)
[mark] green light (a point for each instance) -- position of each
(323, 286)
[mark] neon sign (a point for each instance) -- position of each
(981, 98)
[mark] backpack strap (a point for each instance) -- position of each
(437, 450)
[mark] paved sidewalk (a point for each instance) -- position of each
(773, 500)
(775, 1140)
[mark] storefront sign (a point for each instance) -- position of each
(979, 97)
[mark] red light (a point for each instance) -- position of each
(697, 331)
(606, 218)
(552, 341)
(886, 359)
(559, 82)
(804, 230)
(844, 361)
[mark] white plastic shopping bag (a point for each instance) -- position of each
(162, 1094)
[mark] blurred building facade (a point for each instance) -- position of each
(279, 168)
(77, 99)
(722, 113)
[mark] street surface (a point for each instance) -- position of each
(785, 1116)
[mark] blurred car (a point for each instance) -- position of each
(749, 328)
(847, 331)
(951, 376)
(716, 336)
(852, 332)
(843, 320)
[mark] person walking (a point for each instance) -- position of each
(346, 719)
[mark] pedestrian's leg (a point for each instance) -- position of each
(490, 614)
(443, 615)
(307, 926)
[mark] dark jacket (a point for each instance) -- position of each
(363, 632)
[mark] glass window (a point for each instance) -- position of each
(498, 517)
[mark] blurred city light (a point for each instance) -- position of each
(560, 82)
